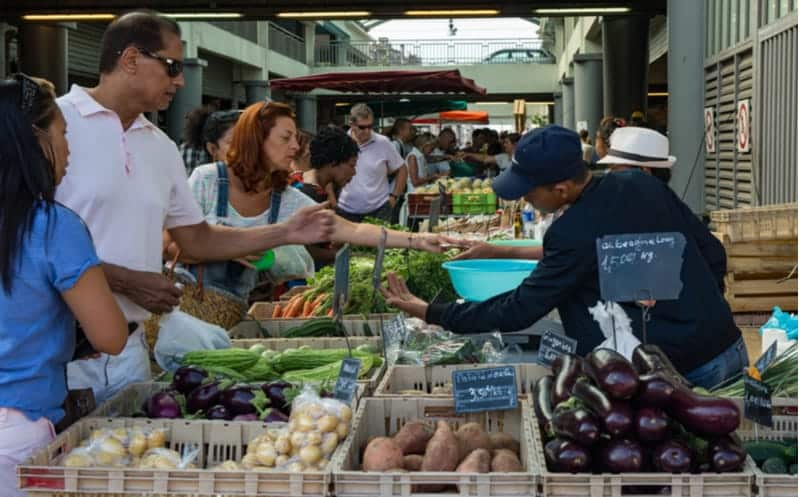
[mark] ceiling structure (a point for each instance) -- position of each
(330, 9)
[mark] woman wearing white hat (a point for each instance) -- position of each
(642, 148)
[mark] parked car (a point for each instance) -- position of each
(520, 56)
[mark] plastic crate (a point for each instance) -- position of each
(385, 416)
(770, 222)
(474, 203)
(419, 204)
(129, 401)
(426, 379)
(276, 328)
(637, 484)
(783, 427)
(41, 476)
(317, 343)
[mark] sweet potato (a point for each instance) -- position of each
(505, 461)
(413, 437)
(382, 454)
(471, 437)
(477, 461)
(441, 454)
(412, 462)
(504, 441)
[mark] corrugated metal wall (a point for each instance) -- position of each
(729, 173)
(84, 49)
(778, 137)
(217, 76)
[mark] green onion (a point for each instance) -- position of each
(780, 376)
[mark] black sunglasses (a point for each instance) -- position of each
(174, 67)
(363, 126)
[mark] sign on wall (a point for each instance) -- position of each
(743, 125)
(711, 139)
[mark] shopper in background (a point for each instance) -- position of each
(446, 151)
(603, 135)
(419, 173)
(192, 148)
(586, 147)
(49, 276)
(302, 162)
(368, 193)
(128, 182)
(402, 134)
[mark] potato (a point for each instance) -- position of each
(249, 461)
(137, 445)
(412, 462)
(441, 454)
(382, 454)
(329, 443)
(298, 439)
(314, 438)
(310, 454)
(327, 423)
(413, 437)
(266, 454)
(477, 461)
(342, 429)
(281, 460)
(504, 441)
(346, 414)
(471, 437)
(505, 461)
(283, 445)
(305, 422)
(156, 439)
(296, 467)
(78, 458)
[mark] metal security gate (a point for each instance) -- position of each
(777, 96)
(83, 48)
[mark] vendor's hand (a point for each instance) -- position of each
(427, 242)
(392, 201)
(153, 291)
(310, 225)
(397, 295)
(647, 303)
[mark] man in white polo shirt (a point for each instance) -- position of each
(127, 181)
(368, 193)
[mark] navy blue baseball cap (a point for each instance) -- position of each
(543, 156)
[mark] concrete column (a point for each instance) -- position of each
(255, 91)
(568, 103)
(43, 53)
(589, 89)
(558, 108)
(625, 62)
(685, 78)
(187, 98)
(310, 39)
(307, 113)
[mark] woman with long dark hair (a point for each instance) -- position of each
(49, 275)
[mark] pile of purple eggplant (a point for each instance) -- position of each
(603, 413)
(193, 394)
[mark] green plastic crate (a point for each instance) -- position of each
(474, 203)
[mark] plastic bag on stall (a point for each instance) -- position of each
(292, 262)
(119, 447)
(428, 345)
(616, 327)
(783, 321)
(180, 333)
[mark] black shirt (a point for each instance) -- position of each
(691, 330)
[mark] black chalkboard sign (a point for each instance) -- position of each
(641, 266)
(767, 357)
(347, 383)
(341, 280)
(757, 401)
(489, 389)
(436, 211)
(553, 344)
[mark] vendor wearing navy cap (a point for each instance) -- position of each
(696, 331)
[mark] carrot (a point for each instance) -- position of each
(276, 312)
(330, 312)
(294, 307)
(316, 303)
(308, 306)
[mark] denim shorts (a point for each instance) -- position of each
(726, 365)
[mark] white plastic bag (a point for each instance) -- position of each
(180, 333)
(614, 321)
(292, 262)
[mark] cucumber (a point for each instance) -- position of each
(790, 454)
(775, 466)
(761, 450)
(318, 327)
(793, 469)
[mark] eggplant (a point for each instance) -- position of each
(238, 399)
(672, 456)
(276, 395)
(655, 390)
(187, 378)
(652, 424)
(566, 456)
(612, 373)
(616, 416)
(622, 455)
(541, 399)
(727, 455)
(576, 423)
(246, 417)
(567, 368)
(202, 398)
(163, 405)
(649, 358)
(703, 415)
(276, 416)
(219, 412)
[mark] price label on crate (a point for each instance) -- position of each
(757, 401)
(641, 266)
(489, 389)
(379, 256)
(347, 383)
(341, 280)
(767, 357)
(553, 344)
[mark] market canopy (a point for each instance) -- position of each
(402, 82)
(460, 116)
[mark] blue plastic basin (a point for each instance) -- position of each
(477, 280)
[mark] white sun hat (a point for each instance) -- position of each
(637, 146)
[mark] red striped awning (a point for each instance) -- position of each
(402, 82)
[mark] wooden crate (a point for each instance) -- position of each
(419, 204)
(770, 222)
(384, 417)
(425, 379)
(276, 328)
(41, 476)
